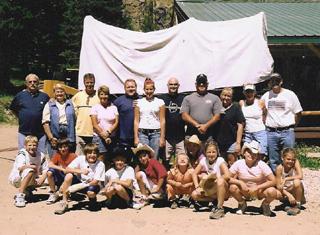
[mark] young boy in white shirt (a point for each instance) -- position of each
(119, 181)
(29, 170)
(88, 173)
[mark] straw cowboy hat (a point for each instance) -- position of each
(209, 185)
(253, 146)
(143, 147)
(194, 139)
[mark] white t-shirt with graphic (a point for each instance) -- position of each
(96, 170)
(281, 108)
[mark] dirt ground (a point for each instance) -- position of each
(38, 218)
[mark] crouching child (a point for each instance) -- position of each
(57, 168)
(85, 174)
(29, 170)
(150, 175)
(119, 181)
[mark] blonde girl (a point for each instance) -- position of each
(289, 181)
(179, 180)
(212, 166)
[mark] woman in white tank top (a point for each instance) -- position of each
(253, 110)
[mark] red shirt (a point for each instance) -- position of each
(154, 171)
(59, 161)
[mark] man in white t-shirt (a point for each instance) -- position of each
(283, 114)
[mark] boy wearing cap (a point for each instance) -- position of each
(119, 181)
(253, 110)
(283, 114)
(201, 110)
(150, 173)
(252, 178)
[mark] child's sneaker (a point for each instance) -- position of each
(241, 208)
(63, 207)
(93, 205)
(174, 204)
(53, 197)
(142, 202)
(293, 211)
(217, 213)
(266, 209)
(20, 200)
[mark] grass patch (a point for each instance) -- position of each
(5, 115)
(312, 163)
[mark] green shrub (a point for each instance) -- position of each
(302, 150)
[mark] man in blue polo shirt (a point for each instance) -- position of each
(125, 105)
(28, 105)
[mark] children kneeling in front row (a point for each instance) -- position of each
(289, 181)
(85, 174)
(29, 170)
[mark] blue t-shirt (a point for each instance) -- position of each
(125, 107)
(29, 110)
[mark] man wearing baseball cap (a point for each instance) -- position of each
(201, 110)
(283, 114)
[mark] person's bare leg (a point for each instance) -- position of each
(141, 184)
(26, 181)
(221, 191)
(51, 181)
(121, 191)
(66, 184)
(236, 193)
(297, 190)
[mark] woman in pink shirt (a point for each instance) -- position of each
(105, 119)
(252, 178)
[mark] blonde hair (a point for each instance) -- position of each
(58, 86)
(104, 89)
(89, 148)
(212, 143)
(227, 90)
(30, 139)
(176, 166)
(287, 151)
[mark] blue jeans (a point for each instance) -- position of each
(278, 140)
(41, 143)
(259, 136)
(151, 138)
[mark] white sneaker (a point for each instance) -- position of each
(53, 197)
(20, 200)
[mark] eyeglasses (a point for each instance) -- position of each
(173, 84)
(31, 81)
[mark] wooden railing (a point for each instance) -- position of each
(308, 132)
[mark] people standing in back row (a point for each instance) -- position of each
(283, 114)
(28, 105)
(174, 124)
(253, 110)
(201, 110)
(149, 119)
(125, 105)
(82, 102)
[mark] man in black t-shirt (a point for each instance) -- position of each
(175, 131)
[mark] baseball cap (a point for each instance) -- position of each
(249, 87)
(201, 79)
(275, 79)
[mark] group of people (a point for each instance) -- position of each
(121, 147)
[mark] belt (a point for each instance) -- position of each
(280, 128)
(148, 131)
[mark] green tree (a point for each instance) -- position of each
(109, 12)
